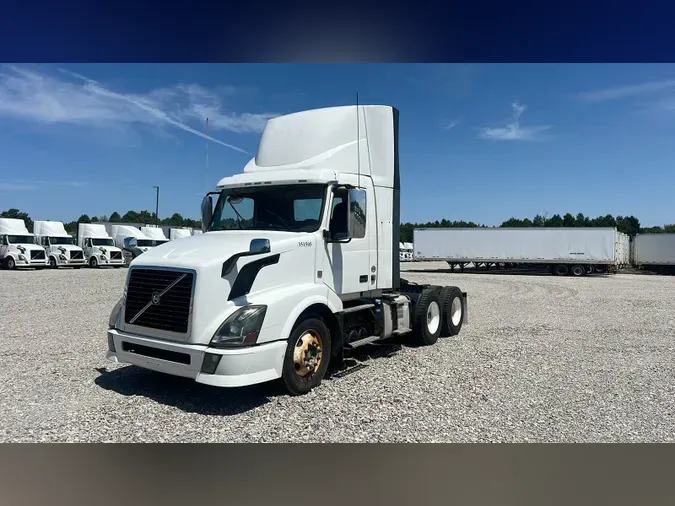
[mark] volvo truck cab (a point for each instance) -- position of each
(298, 263)
(131, 241)
(99, 248)
(179, 233)
(58, 244)
(17, 246)
(156, 234)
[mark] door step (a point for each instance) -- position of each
(361, 342)
(357, 308)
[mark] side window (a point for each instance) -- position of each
(357, 213)
(338, 216)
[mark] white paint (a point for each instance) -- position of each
(19, 251)
(654, 249)
(88, 234)
(60, 253)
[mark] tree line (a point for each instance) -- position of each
(627, 224)
(175, 220)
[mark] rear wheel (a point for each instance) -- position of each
(453, 311)
(307, 356)
(560, 270)
(428, 317)
(578, 270)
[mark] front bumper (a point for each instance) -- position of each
(110, 262)
(236, 367)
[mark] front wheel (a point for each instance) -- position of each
(307, 356)
(428, 317)
(93, 262)
(10, 263)
(52, 263)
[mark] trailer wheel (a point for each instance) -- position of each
(560, 270)
(578, 270)
(428, 317)
(10, 263)
(93, 262)
(452, 303)
(307, 356)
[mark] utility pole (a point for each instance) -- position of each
(157, 207)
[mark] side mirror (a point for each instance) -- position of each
(207, 212)
(259, 246)
(130, 242)
(356, 219)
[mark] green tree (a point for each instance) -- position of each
(568, 220)
(555, 221)
(84, 219)
(115, 217)
(538, 221)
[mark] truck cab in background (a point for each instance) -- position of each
(156, 234)
(131, 240)
(99, 248)
(58, 244)
(298, 263)
(179, 233)
(18, 248)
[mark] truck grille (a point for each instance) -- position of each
(37, 254)
(159, 299)
(76, 255)
(115, 255)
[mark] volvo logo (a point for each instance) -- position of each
(155, 298)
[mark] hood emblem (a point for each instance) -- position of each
(155, 298)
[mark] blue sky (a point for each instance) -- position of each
(478, 142)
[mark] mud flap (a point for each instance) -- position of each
(465, 313)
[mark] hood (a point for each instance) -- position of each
(213, 248)
(67, 247)
(108, 248)
(27, 246)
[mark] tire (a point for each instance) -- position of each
(93, 262)
(560, 270)
(452, 304)
(9, 263)
(428, 316)
(52, 263)
(297, 375)
(577, 271)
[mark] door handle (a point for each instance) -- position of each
(363, 279)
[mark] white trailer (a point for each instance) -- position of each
(99, 248)
(156, 234)
(18, 248)
(58, 244)
(298, 264)
(131, 241)
(575, 250)
(654, 252)
(179, 233)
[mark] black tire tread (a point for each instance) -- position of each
(420, 331)
(448, 293)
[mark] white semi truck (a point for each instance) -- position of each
(179, 233)
(654, 252)
(575, 251)
(156, 234)
(58, 244)
(99, 248)
(298, 264)
(17, 246)
(131, 241)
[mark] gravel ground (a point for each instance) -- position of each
(543, 359)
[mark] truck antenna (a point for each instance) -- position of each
(206, 172)
(358, 141)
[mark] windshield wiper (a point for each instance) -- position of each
(283, 222)
(239, 217)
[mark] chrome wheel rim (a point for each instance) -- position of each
(433, 317)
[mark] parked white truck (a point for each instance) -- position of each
(575, 251)
(99, 248)
(17, 246)
(131, 241)
(654, 252)
(179, 233)
(156, 234)
(299, 263)
(58, 244)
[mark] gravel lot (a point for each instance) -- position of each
(543, 359)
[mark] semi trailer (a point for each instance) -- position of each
(575, 251)
(18, 248)
(297, 266)
(58, 244)
(99, 248)
(654, 252)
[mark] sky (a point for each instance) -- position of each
(478, 142)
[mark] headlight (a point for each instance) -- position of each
(241, 328)
(22, 257)
(63, 257)
(115, 314)
(103, 258)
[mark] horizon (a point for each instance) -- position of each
(478, 142)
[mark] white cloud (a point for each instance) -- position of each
(76, 99)
(513, 131)
(633, 90)
(451, 125)
(17, 187)
(31, 184)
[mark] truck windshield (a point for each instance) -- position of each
(293, 208)
(144, 243)
(159, 241)
(102, 242)
(20, 239)
(61, 240)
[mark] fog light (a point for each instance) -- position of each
(111, 344)
(210, 363)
